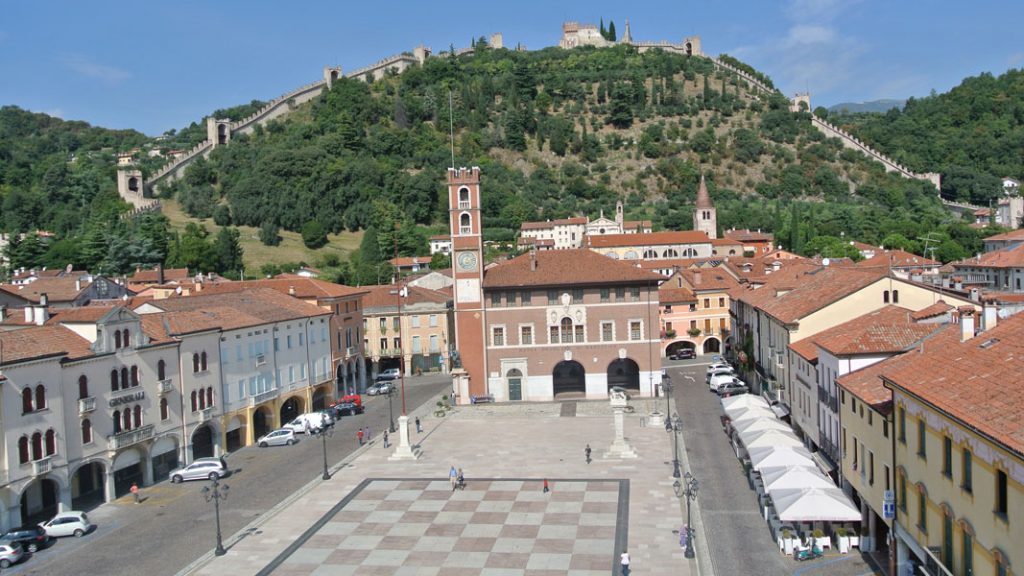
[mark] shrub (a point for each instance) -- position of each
(314, 235)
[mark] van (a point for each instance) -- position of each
(720, 380)
(719, 372)
(314, 421)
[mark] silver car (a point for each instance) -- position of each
(11, 553)
(282, 437)
(201, 469)
(72, 523)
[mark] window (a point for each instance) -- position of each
(415, 319)
(552, 297)
(161, 370)
(195, 363)
(113, 380)
(83, 386)
(871, 468)
(968, 553)
(578, 332)
(138, 416)
(395, 323)
(707, 325)
(922, 510)
(885, 428)
(164, 412)
(947, 457)
(433, 320)
(117, 339)
(383, 344)
(117, 421)
(86, 431)
(903, 493)
(885, 297)
(40, 397)
(525, 335)
(707, 303)
(620, 294)
(37, 446)
(288, 339)
(126, 419)
(135, 376)
(577, 296)
(497, 335)
(383, 323)
(968, 480)
(721, 302)
(895, 296)
(635, 329)
(605, 294)
(397, 343)
(195, 401)
(902, 416)
(888, 482)
(124, 378)
(26, 400)
(209, 396)
(465, 224)
(23, 455)
(566, 329)
(607, 331)
(202, 361)
(947, 537)
(634, 294)
(1002, 506)
(51, 442)
(693, 324)
(434, 345)
(921, 438)
(124, 337)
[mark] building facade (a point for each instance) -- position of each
(413, 337)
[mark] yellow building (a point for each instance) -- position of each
(958, 409)
(694, 310)
(407, 328)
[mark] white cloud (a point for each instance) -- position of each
(810, 34)
(86, 67)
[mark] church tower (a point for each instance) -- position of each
(464, 209)
(704, 212)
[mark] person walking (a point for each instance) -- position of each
(385, 438)
(369, 433)
(453, 477)
(359, 436)
(419, 427)
(624, 561)
(587, 452)
(460, 480)
(135, 493)
(546, 487)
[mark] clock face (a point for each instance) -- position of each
(467, 261)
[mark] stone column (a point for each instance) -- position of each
(404, 450)
(108, 483)
(65, 499)
(619, 448)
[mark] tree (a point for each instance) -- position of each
(269, 233)
(222, 215)
(611, 31)
(440, 261)
(228, 251)
(314, 235)
(621, 113)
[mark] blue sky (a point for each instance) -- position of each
(160, 65)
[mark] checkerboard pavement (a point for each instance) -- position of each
(492, 528)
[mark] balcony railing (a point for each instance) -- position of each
(263, 397)
(350, 351)
(130, 437)
(41, 466)
(165, 386)
(465, 229)
(86, 405)
(464, 204)
(390, 352)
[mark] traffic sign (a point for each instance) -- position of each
(889, 505)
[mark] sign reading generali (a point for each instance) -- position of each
(127, 398)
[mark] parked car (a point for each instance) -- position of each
(11, 553)
(353, 398)
(201, 469)
(719, 366)
(389, 374)
(682, 354)
(718, 382)
(719, 373)
(32, 538)
(282, 437)
(72, 523)
(313, 421)
(347, 408)
(732, 389)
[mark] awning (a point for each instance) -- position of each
(780, 410)
(823, 462)
(814, 505)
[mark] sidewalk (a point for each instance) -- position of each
(381, 517)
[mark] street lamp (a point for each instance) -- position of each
(666, 385)
(323, 434)
(675, 425)
(216, 492)
(391, 410)
(689, 490)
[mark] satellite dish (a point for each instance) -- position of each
(825, 262)
(178, 290)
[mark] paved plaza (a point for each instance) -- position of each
(375, 516)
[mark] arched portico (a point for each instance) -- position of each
(569, 378)
(203, 442)
(320, 396)
(40, 501)
(291, 408)
(678, 345)
(262, 422)
(712, 346)
(624, 373)
(164, 456)
(129, 468)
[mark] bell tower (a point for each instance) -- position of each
(464, 209)
(704, 218)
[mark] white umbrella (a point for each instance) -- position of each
(755, 428)
(742, 414)
(744, 401)
(813, 505)
(773, 438)
(782, 477)
(759, 424)
(766, 456)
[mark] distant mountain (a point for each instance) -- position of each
(872, 106)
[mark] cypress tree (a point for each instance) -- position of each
(611, 31)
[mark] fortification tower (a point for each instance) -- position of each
(468, 273)
(331, 75)
(130, 186)
(692, 46)
(800, 101)
(497, 41)
(218, 131)
(627, 37)
(704, 218)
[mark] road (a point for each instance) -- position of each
(174, 525)
(736, 533)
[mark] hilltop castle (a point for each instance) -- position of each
(575, 35)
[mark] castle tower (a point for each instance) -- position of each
(331, 75)
(801, 101)
(218, 131)
(704, 218)
(627, 37)
(468, 272)
(497, 41)
(130, 186)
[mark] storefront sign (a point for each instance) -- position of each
(127, 398)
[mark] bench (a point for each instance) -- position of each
(484, 399)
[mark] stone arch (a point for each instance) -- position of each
(39, 500)
(203, 441)
(222, 133)
(678, 345)
(670, 253)
(164, 456)
(465, 223)
(128, 468)
(291, 407)
(234, 433)
(629, 255)
(88, 484)
(134, 185)
(712, 346)
(319, 400)
(464, 197)
(650, 254)
(262, 421)
(569, 377)
(625, 373)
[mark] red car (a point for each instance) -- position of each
(353, 398)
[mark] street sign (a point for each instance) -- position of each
(888, 505)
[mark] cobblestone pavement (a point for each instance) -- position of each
(175, 525)
(737, 535)
(506, 453)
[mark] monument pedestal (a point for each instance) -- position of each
(619, 448)
(404, 450)
(655, 419)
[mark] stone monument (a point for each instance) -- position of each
(619, 448)
(404, 450)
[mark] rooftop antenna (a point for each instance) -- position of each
(451, 126)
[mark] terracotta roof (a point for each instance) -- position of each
(788, 277)
(231, 310)
(725, 242)
(887, 330)
(305, 288)
(864, 247)
(632, 224)
(674, 294)
(979, 382)
(41, 342)
(407, 261)
(576, 221)
(1017, 234)
(385, 295)
(564, 268)
(671, 263)
(440, 237)
(56, 289)
(937, 309)
(749, 236)
(526, 241)
(1006, 258)
(818, 289)
(898, 259)
(702, 279)
(806, 349)
(153, 276)
(703, 198)
(648, 239)
(84, 314)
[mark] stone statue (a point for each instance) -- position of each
(456, 359)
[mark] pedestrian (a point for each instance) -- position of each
(419, 427)
(135, 492)
(359, 436)
(624, 560)
(461, 480)
(546, 487)
(385, 438)
(369, 433)
(587, 452)
(684, 533)
(308, 429)
(453, 477)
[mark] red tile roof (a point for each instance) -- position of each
(237, 309)
(565, 268)
(56, 289)
(898, 259)
(576, 221)
(41, 342)
(705, 279)
(153, 276)
(979, 382)
(440, 237)
(409, 261)
(635, 224)
(305, 288)
(648, 239)
(385, 295)
(818, 289)
(675, 295)
(749, 236)
(1017, 234)
(1006, 258)
(937, 309)
(887, 330)
(81, 314)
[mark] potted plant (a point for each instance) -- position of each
(854, 538)
(842, 539)
(440, 410)
(670, 333)
(693, 332)
(820, 539)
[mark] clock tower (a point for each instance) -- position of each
(468, 275)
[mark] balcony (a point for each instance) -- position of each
(165, 386)
(130, 437)
(464, 204)
(205, 414)
(263, 397)
(350, 351)
(40, 467)
(465, 230)
(390, 352)
(86, 405)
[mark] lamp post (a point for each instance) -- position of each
(323, 434)
(674, 425)
(216, 492)
(689, 490)
(666, 385)
(391, 410)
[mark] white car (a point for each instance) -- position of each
(389, 374)
(282, 437)
(718, 382)
(312, 421)
(72, 523)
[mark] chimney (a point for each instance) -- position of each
(291, 290)
(159, 273)
(966, 323)
(28, 314)
(533, 260)
(975, 294)
(696, 278)
(990, 316)
(78, 285)
(41, 313)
